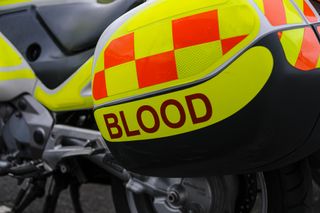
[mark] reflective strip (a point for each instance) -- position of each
(126, 74)
(308, 12)
(68, 96)
(291, 41)
(99, 85)
(10, 2)
(301, 47)
(310, 51)
(192, 59)
(17, 74)
(156, 69)
(275, 12)
(170, 49)
(155, 37)
(8, 55)
(307, 9)
(229, 43)
(121, 50)
(189, 109)
(279, 12)
(196, 29)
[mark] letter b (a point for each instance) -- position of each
(113, 127)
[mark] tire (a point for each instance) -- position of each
(315, 167)
(128, 202)
(290, 189)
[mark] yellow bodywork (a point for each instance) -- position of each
(68, 96)
(11, 2)
(228, 92)
(291, 41)
(292, 16)
(15, 74)
(8, 56)
(11, 63)
(152, 28)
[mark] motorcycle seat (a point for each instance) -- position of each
(78, 26)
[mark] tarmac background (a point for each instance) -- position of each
(95, 199)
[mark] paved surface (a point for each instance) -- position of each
(96, 199)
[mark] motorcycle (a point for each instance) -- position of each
(201, 114)
(46, 50)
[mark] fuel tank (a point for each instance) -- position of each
(209, 87)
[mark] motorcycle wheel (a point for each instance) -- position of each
(290, 188)
(193, 195)
(285, 190)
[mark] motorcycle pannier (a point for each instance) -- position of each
(198, 87)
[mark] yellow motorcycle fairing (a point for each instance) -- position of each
(11, 2)
(71, 95)
(16, 78)
(189, 109)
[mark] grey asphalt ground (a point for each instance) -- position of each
(95, 199)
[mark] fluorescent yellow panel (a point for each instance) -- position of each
(228, 93)
(16, 74)
(10, 2)
(260, 4)
(299, 3)
(99, 66)
(229, 27)
(196, 59)
(291, 41)
(8, 56)
(292, 15)
(163, 9)
(153, 39)
(122, 78)
(68, 96)
(167, 11)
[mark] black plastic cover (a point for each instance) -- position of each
(78, 26)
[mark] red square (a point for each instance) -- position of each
(156, 69)
(309, 13)
(119, 51)
(196, 29)
(99, 88)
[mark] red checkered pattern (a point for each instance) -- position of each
(155, 69)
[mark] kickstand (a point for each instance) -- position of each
(28, 193)
(57, 185)
(75, 197)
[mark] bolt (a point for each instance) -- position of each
(63, 168)
(39, 136)
(18, 114)
(22, 104)
(173, 197)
